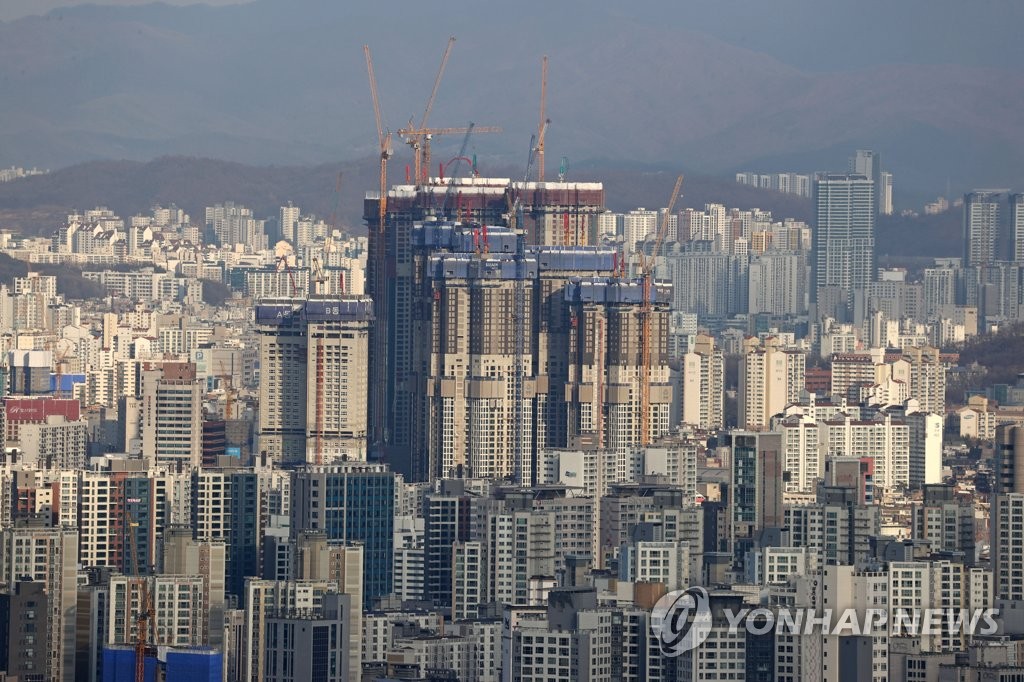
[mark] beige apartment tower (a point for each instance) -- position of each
(314, 378)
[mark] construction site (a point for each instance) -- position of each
(502, 324)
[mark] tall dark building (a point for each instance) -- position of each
(757, 484)
(844, 238)
(24, 641)
(446, 521)
(354, 502)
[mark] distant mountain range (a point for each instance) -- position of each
(712, 87)
(37, 205)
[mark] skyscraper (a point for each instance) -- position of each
(983, 215)
(844, 234)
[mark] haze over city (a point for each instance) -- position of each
(378, 341)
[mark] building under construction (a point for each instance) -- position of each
(553, 214)
(481, 406)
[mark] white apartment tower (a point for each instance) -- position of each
(703, 376)
(771, 377)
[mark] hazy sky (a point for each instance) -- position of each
(15, 9)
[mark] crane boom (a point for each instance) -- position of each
(378, 356)
(543, 118)
(646, 274)
(451, 177)
(373, 95)
(437, 81)
(419, 138)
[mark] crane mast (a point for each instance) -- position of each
(380, 335)
(542, 126)
(646, 275)
(145, 613)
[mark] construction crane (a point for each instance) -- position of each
(60, 353)
(383, 138)
(319, 278)
(451, 179)
(285, 266)
(145, 613)
(422, 138)
(542, 126)
(646, 279)
(417, 137)
(380, 331)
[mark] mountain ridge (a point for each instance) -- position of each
(274, 82)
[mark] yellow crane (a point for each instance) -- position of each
(145, 614)
(646, 278)
(418, 137)
(383, 137)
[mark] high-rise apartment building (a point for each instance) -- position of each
(313, 378)
(1017, 225)
(757, 480)
(606, 365)
(771, 377)
(984, 213)
(638, 225)
(885, 194)
(287, 220)
(49, 556)
(777, 283)
(231, 224)
(869, 164)
(703, 377)
(844, 234)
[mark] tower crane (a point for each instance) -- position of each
(319, 278)
(425, 135)
(418, 137)
(383, 139)
(380, 332)
(646, 277)
(282, 264)
(542, 126)
(145, 614)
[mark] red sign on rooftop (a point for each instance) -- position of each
(38, 409)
